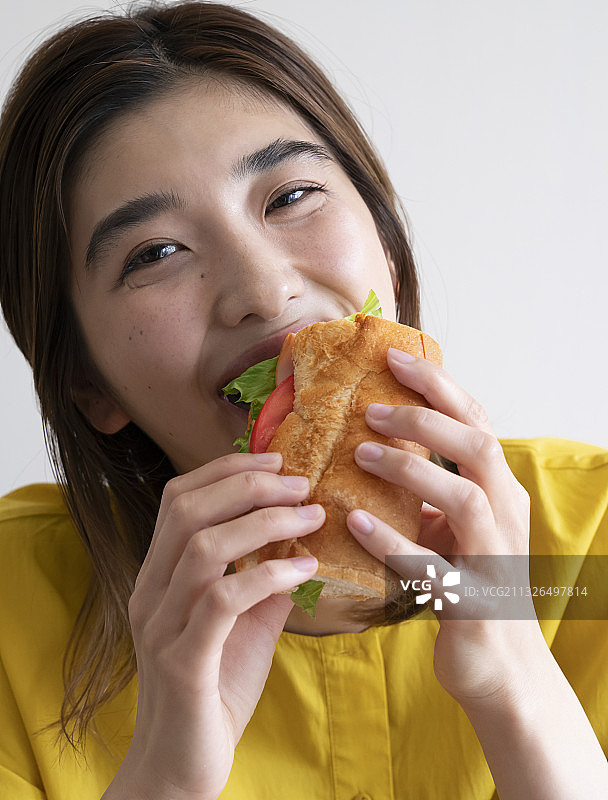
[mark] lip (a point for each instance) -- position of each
(269, 348)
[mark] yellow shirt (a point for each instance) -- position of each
(341, 717)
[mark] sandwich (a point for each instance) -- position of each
(327, 375)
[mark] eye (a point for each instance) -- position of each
(292, 196)
(149, 255)
(154, 253)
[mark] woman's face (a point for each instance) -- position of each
(205, 227)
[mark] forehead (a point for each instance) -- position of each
(214, 116)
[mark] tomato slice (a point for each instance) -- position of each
(285, 361)
(273, 412)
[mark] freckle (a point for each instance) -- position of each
(149, 387)
(130, 338)
(141, 333)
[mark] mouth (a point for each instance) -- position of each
(269, 348)
(239, 404)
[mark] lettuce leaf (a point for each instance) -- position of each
(254, 386)
(242, 442)
(371, 307)
(307, 595)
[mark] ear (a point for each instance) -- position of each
(103, 412)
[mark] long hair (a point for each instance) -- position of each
(70, 90)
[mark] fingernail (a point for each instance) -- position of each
(368, 451)
(400, 356)
(295, 482)
(267, 458)
(309, 512)
(378, 411)
(361, 522)
(304, 563)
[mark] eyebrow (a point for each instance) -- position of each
(142, 209)
(127, 216)
(276, 153)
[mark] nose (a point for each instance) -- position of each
(257, 282)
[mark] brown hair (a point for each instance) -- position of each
(70, 89)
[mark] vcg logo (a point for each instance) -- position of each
(449, 579)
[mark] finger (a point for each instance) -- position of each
(208, 552)
(464, 503)
(435, 533)
(211, 473)
(408, 559)
(217, 470)
(470, 572)
(203, 507)
(430, 512)
(477, 453)
(439, 389)
(215, 615)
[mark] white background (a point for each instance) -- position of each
(493, 120)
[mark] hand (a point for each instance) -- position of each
(204, 639)
(482, 511)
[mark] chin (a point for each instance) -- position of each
(337, 615)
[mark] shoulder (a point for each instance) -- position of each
(37, 501)
(43, 560)
(568, 486)
(549, 453)
(34, 521)
(44, 576)
(43, 580)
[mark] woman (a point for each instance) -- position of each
(180, 188)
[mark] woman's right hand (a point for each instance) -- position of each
(205, 640)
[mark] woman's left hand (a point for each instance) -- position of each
(482, 511)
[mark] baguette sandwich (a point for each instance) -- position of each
(316, 419)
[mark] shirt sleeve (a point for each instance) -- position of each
(568, 486)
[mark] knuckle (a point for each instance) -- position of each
(220, 597)
(421, 417)
(486, 446)
(172, 490)
(475, 413)
(405, 467)
(394, 547)
(201, 545)
(252, 481)
(272, 569)
(180, 508)
(145, 632)
(136, 611)
(473, 499)
(267, 517)
(436, 380)
(230, 460)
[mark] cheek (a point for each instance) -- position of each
(140, 345)
(349, 250)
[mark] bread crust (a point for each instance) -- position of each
(340, 368)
